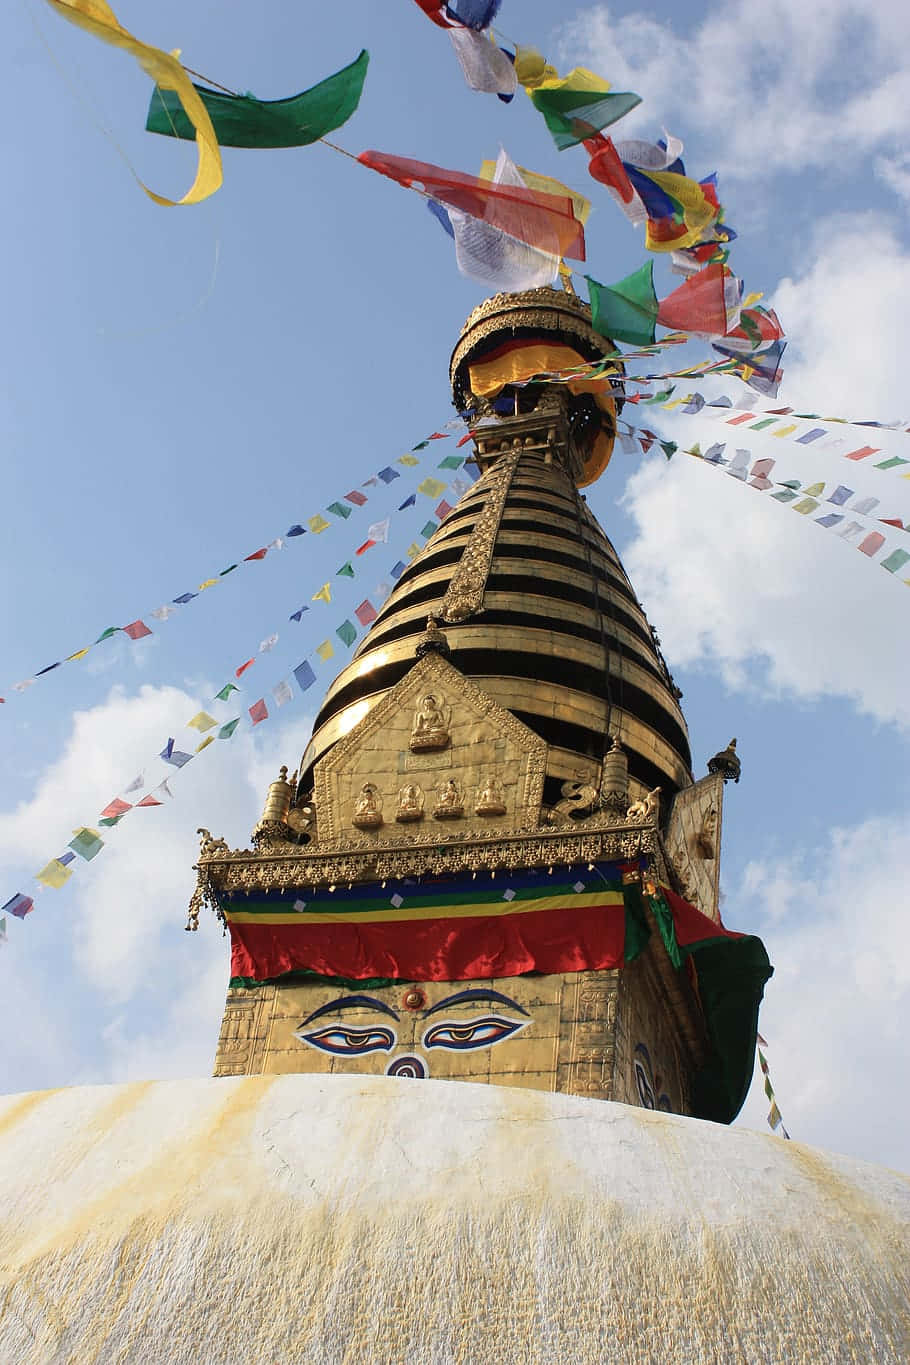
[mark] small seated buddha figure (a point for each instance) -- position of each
(490, 799)
(431, 727)
(450, 804)
(367, 808)
(410, 803)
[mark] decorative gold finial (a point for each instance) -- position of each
(432, 641)
(727, 763)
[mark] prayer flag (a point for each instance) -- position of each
(346, 571)
(55, 874)
(366, 612)
(356, 498)
(831, 519)
(347, 632)
(872, 543)
(162, 613)
(325, 650)
(136, 784)
(486, 67)
(339, 510)
(209, 583)
(97, 17)
(701, 303)
(50, 668)
(268, 643)
(106, 634)
(379, 531)
(148, 801)
(87, 843)
(80, 654)
(136, 630)
(388, 474)
(282, 692)
(362, 549)
(578, 105)
(226, 691)
(382, 591)
(177, 758)
(295, 530)
(398, 569)
(231, 567)
(304, 675)
(808, 437)
(318, 524)
(243, 121)
(276, 544)
(896, 560)
(840, 495)
(258, 711)
(324, 594)
(626, 311)
(19, 905)
(431, 488)
(428, 528)
(239, 672)
(450, 462)
(112, 820)
(805, 506)
(184, 598)
(410, 500)
(116, 807)
(814, 490)
(66, 859)
(296, 615)
(892, 463)
(409, 460)
(864, 506)
(863, 453)
(443, 509)
(227, 730)
(204, 744)
(202, 721)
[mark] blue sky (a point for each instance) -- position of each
(179, 385)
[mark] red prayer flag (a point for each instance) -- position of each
(862, 453)
(257, 554)
(698, 305)
(366, 612)
(438, 436)
(545, 221)
(365, 546)
(148, 801)
(465, 439)
(116, 807)
(136, 630)
(356, 498)
(243, 667)
(443, 509)
(872, 543)
(258, 711)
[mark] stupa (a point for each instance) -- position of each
(495, 865)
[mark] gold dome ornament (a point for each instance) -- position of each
(726, 763)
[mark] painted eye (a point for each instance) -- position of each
(349, 1042)
(645, 1093)
(474, 1033)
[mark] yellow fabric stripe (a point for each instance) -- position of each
(580, 900)
(488, 377)
(97, 17)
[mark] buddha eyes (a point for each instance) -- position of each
(474, 1033)
(350, 1042)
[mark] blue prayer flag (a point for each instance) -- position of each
(185, 597)
(388, 474)
(304, 675)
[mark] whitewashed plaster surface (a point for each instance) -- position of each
(348, 1219)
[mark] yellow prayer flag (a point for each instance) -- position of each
(413, 550)
(784, 431)
(209, 583)
(806, 506)
(55, 875)
(86, 829)
(698, 211)
(431, 488)
(80, 654)
(317, 524)
(408, 459)
(97, 17)
(202, 721)
(532, 68)
(545, 184)
(209, 739)
(325, 650)
(752, 298)
(579, 79)
(324, 594)
(814, 490)
(674, 403)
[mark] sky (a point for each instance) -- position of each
(179, 385)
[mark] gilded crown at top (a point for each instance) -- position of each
(544, 311)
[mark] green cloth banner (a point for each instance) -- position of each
(626, 311)
(242, 121)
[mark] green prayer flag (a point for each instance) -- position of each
(669, 448)
(346, 571)
(626, 311)
(106, 634)
(760, 426)
(896, 560)
(111, 820)
(230, 569)
(227, 730)
(242, 121)
(340, 509)
(421, 445)
(428, 529)
(450, 462)
(892, 463)
(226, 692)
(347, 632)
(86, 844)
(573, 115)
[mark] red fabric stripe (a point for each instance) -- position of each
(565, 940)
(691, 925)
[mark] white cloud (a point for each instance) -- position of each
(115, 989)
(835, 1009)
(777, 85)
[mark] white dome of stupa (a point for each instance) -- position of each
(372, 1219)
